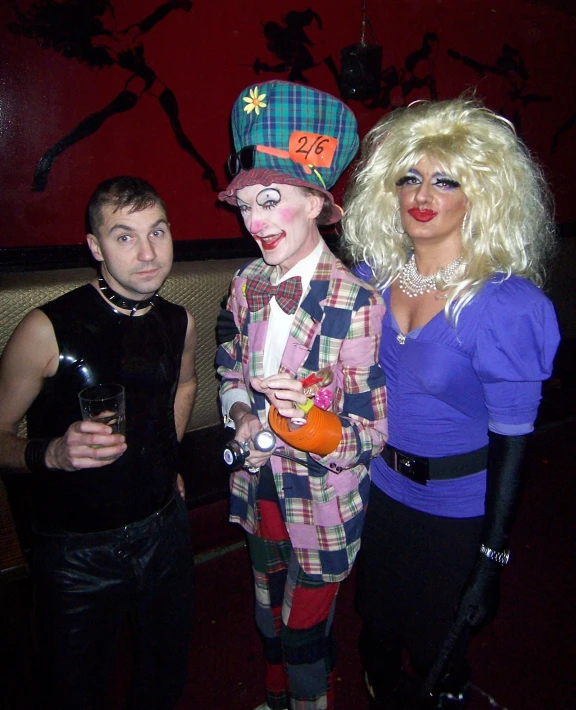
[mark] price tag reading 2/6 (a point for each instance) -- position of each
(312, 149)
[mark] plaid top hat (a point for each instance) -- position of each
(290, 134)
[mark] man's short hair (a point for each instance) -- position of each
(122, 191)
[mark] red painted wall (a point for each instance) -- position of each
(519, 55)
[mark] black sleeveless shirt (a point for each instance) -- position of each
(143, 353)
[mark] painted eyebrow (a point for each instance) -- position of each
(128, 228)
(262, 195)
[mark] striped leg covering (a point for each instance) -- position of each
(294, 615)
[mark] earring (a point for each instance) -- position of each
(397, 222)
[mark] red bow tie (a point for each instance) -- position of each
(288, 294)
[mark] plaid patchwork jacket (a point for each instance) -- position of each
(337, 325)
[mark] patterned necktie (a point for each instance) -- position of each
(288, 293)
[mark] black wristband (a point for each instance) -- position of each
(35, 455)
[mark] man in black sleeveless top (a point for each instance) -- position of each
(111, 536)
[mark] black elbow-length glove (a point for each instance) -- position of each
(481, 594)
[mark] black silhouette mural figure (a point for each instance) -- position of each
(290, 43)
(86, 30)
(511, 66)
(418, 72)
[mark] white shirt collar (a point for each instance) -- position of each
(304, 269)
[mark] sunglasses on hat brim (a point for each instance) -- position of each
(244, 159)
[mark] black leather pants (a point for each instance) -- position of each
(85, 587)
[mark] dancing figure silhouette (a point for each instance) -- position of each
(86, 30)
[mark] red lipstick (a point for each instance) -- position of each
(422, 215)
(269, 244)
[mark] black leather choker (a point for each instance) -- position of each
(127, 304)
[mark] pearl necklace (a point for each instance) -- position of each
(413, 284)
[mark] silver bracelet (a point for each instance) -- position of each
(501, 558)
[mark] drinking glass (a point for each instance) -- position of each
(104, 403)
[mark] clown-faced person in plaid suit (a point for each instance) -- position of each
(303, 363)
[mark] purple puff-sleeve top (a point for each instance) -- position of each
(447, 386)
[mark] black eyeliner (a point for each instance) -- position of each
(448, 181)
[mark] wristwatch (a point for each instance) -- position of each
(501, 558)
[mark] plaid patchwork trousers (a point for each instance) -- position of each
(294, 615)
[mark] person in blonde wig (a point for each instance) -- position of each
(450, 218)
(509, 224)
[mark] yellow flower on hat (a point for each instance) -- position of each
(254, 102)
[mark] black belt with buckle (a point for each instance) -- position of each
(421, 469)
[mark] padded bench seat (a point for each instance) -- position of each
(199, 286)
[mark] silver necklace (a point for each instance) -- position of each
(413, 284)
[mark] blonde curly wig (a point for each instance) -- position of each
(509, 228)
